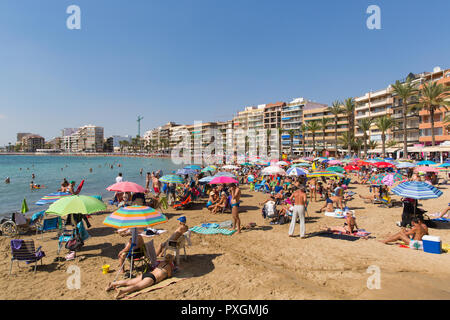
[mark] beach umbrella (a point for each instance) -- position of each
(317, 174)
(52, 197)
(300, 161)
(126, 186)
(390, 179)
(405, 165)
(246, 164)
(388, 159)
(273, 170)
(171, 178)
(250, 178)
(425, 163)
(206, 179)
(351, 168)
(336, 169)
(444, 165)
(282, 163)
(224, 174)
(333, 162)
(134, 217)
(208, 169)
(186, 172)
(383, 165)
(303, 164)
(426, 169)
(193, 167)
(230, 167)
(297, 172)
(362, 163)
(261, 163)
(377, 179)
(76, 204)
(417, 190)
(223, 180)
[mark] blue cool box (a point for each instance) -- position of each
(432, 244)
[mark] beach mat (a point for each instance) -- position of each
(162, 284)
(201, 230)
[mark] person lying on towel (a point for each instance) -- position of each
(418, 230)
(350, 225)
(163, 271)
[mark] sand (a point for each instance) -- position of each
(261, 263)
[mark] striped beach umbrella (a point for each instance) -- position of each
(186, 171)
(417, 190)
(317, 174)
(206, 179)
(52, 197)
(297, 172)
(444, 165)
(134, 217)
(208, 169)
(333, 162)
(273, 170)
(303, 164)
(224, 174)
(171, 178)
(193, 167)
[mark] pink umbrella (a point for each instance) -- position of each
(223, 180)
(333, 162)
(126, 186)
(426, 169)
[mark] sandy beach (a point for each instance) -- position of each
(260, 263)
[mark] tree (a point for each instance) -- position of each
(291, 133)
(303, 130)
(384, 123)
(431, 98)
(404, 91)
(323, 125)
(84, 143)
(349, 109)
(365, 125)
(447, 121)
(335, 110)
(346, 140)
(313, 126)
(373, 144)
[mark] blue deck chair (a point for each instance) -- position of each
(260, 185)
(23, 250)
(278, 189)
(49, 225)
(267, 189)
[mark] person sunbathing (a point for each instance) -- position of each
(163, 271)
(138, 251)
(182, 228)
(445, 212)
(221, 203)
(328, 206)
(418, 230)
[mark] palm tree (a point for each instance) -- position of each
(247, 144)
(384, 123)
(365, 125)
(349, 109)
(447, 121)
(291, 133)
(404, 91)
(268, 133)
(335, 110)
(313, 126)
(432, 97)
(373, 144)
(323, 124)
(303, 130)
(346, 140)
(280, 147)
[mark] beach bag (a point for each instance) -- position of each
(75, 243)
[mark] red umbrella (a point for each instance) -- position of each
(383, 165)
(126, 186)
(351, 168)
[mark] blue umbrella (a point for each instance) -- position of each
(425, 163)
(52, 197)
(444, 165)
(403, 165)
(186, 172)
(296, 172)
(206, 179)
(417, 190)
(224, 174)
(193, 167)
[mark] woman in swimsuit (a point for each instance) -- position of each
(163, 271)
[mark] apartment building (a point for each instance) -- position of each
(32, 142)
(91, 138)
(441, 133)
(313, 111)
(292, 119)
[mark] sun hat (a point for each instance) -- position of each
(182, 219)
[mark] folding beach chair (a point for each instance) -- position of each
(49, 225)
(260, 185)
(23, 250)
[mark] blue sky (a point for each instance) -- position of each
(186, 60)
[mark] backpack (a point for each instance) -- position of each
(75, 243)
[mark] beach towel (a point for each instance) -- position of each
(201, 230)
(441, 219)
(175, 278)
(16, 244)
(210, 225)
(335, 214)
(226, 224)
(150, 232)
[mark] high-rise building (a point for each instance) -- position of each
(32, 142)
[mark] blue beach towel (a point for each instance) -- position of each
(441, 219)
(201, 230)
(210, 225)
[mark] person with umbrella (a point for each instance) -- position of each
(163, 271)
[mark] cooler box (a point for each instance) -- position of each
(432, 244)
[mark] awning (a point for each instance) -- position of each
(390, 150)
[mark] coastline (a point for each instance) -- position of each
(90, 154)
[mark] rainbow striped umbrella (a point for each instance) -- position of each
(135, 217)
(52, 197)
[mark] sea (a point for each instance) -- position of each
(50, 171)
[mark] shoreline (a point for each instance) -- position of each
(125, 155)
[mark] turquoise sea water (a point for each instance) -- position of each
(47, 170)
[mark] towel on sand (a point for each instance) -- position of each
(175, 278)
(201, 230)
(150, 232)
(210, 225)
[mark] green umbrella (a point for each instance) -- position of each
(336, 169)
(208, 169)
(76, 204)
(24, 206)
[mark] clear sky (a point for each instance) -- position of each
(187, 60)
